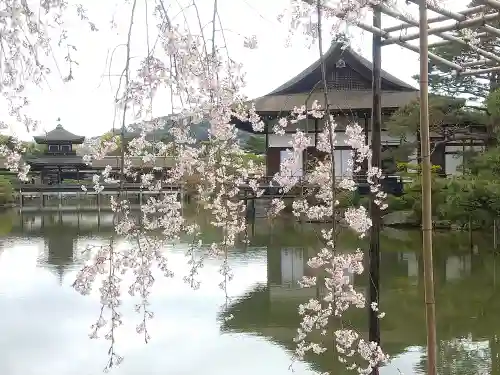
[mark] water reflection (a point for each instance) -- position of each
(466, 296)
(46, 321)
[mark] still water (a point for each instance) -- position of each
(44, 323)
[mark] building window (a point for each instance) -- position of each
(65, 148)
(53, 148)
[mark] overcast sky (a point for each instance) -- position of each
(85, 105)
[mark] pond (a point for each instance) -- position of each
(45, 323)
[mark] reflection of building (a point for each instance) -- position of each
(411, 259)
(292, 265)
(466, 307)
(457, 267)
(81, 223)
(59, 252)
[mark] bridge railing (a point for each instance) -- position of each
(28, 188)
(115, 162)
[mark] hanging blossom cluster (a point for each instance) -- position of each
(204, 87)
(321, 205)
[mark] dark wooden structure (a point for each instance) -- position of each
(349, 79)
(60, 160)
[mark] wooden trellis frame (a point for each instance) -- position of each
(475, 17)
(472, 17)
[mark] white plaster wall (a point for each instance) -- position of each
(453, 161)
(342, 168)
(453, 164)
(342, 157)
(297, 169)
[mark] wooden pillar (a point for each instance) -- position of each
(267, 152)
(374, 251)
(367, 131)
(182, 199)
(253, 211)
(99, 202)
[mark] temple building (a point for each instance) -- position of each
(59, 160)
(349, 80)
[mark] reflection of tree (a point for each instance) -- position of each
(495, 354)
(462, 356)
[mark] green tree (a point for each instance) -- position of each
(449, 119)
(442, 79)
(256, 144)
(476, 89)
(33, 149)
(115, 138)
(6, 190)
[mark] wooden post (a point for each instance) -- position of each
(98, 203)
(42, 200)
(60, 201)
(182, 199)
(426, 192)
(495, 234)
(374, 252)
(245, 199)
(253, 209)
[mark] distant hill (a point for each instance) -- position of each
(198, 131)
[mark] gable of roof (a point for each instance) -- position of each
(354, 61)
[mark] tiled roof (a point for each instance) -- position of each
(59, 134)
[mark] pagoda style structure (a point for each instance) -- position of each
(59, 160)
(349, 81)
